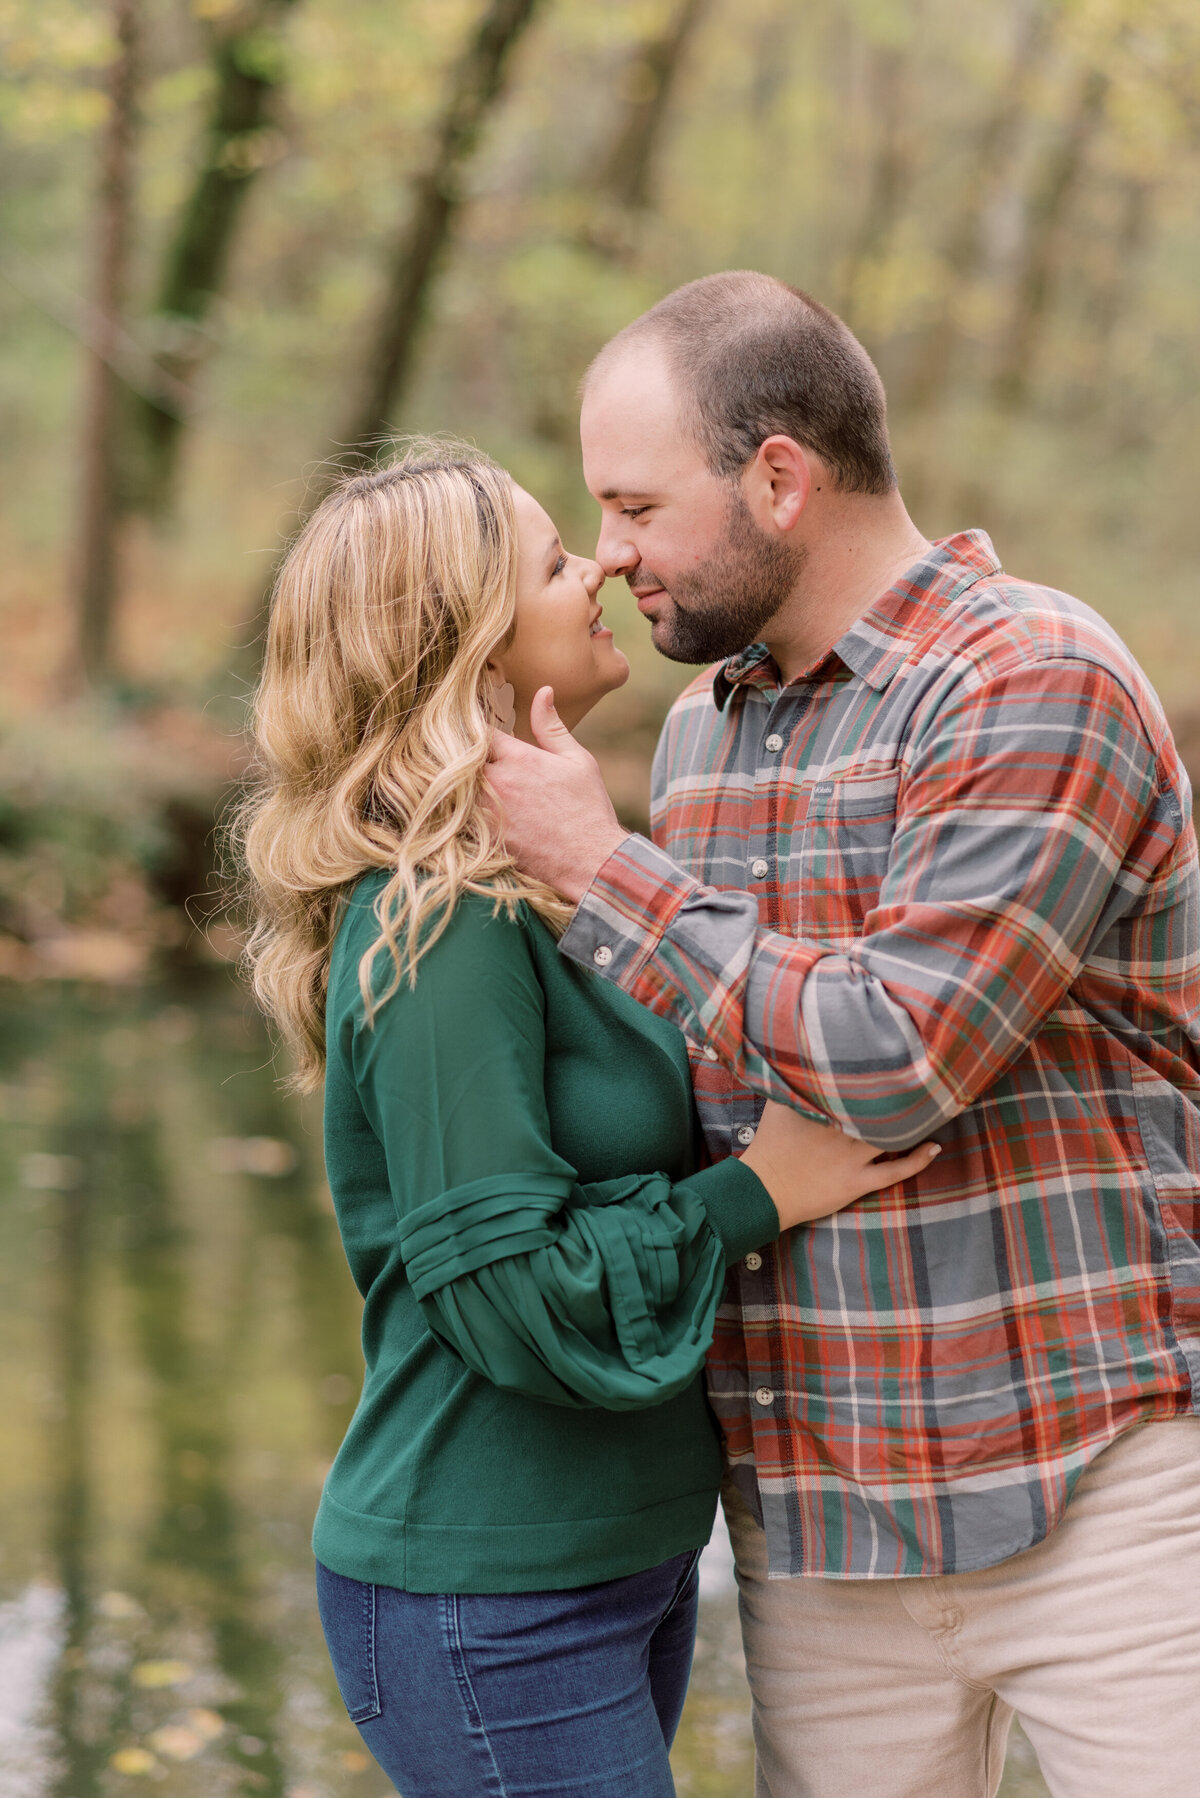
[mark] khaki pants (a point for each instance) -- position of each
(906, 1688)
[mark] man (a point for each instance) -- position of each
(923, 862)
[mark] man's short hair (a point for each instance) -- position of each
(756, 358)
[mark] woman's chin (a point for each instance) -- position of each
(619, 674)
(614, 676)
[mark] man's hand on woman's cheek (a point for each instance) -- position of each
(559, 823)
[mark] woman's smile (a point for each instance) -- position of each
(560, 639)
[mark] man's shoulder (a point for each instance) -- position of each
(1002, 622)
(1004, 613)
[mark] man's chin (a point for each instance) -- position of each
(674, 647)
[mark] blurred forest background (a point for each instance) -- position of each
(238, 237)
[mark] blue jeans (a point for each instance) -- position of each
(515, 1694)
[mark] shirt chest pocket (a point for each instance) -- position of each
(845, 847)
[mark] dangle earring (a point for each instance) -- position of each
(504, 706)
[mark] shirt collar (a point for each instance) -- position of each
(877, 643)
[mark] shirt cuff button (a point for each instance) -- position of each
(602, 956)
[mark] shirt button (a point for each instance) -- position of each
(746, 1134)
(758, 867)
(763, 1395)
(753, 1261)
(774, 742)
(602, 956)
(709, 1053)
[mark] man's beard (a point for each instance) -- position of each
(722, 606)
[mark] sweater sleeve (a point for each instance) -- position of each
(598, 1294)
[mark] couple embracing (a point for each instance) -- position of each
(838, 1150)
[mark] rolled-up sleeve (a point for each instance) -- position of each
(574, 1292)
(1029, 818)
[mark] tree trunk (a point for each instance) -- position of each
(1111, 298)
(650, 80)
(475, 84)
(95, 573)
(891, 176)
(237, 146)
(933, 357)
(1043, 244)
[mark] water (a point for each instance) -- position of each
(179, 1338)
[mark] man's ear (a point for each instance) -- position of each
(777, 483)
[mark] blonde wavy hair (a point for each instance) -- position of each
(373, 721)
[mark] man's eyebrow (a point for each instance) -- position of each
(623, 493)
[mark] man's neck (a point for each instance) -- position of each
(860, 547)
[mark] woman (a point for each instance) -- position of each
(507, 1540)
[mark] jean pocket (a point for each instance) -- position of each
(347, 1608)
(689, 1580)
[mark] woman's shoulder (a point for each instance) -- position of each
(479, 938)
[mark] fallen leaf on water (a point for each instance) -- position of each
(208, 1724)
(132, 1760)
(50, 1173)
(118, 1605)
(176, 1741)
(162, 1673)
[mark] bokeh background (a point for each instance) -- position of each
(240, 242)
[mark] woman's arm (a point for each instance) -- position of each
(600, 1294)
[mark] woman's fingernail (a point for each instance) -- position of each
(935, 1148)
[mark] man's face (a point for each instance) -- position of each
(703, 572)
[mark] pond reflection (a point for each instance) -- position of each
(180, 1337)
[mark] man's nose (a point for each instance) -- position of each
(614, 548)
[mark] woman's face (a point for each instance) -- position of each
(559, 640)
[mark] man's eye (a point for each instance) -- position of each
(633, 511)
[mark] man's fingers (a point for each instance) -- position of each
(548, 727)
(503, 747)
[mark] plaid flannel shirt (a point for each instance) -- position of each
(942, 884)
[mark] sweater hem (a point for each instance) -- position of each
(540, 1556)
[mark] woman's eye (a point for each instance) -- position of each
(559, 565)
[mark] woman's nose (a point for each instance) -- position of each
(594, 578)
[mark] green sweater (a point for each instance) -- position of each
(512, 1151)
